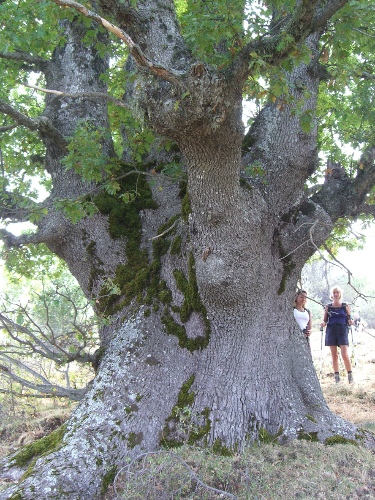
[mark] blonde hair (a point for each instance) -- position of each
(336, 289)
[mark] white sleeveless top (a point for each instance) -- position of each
(302, 318)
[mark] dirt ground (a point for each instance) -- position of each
(354, 402)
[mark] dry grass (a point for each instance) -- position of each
(29, 423)
(355, 402)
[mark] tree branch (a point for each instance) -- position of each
(341, 196)
(22, 366)
(37, 63)
(5, 128)
(324, 14)
(42, 344)
(90, 95)
(367, 76)
(41, 124)
(10, 207)
(23, 395)
(140, 58)
(46, 388)
(342, 266)
(11, 240)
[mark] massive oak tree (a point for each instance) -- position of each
(186, 230)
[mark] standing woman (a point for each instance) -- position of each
(301, 314)
(337, 318)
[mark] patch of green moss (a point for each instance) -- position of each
(131, 409)
(185, 207)
(268, 438)
(183, 189)
(192, 302)
(123, 217)
(134, 439)
(164, 294)
(245, 184)
(339, 440)
(311, 418)
(221, 450)
(361, 435)
(185, 399)
(108, 479)
(43, 446)
(308, 436)
(287, 262)
(174, 328)
(155, 286)
(90, 248)
(189, 289)
(124, 221)
(200, 433)
(98, 396)
(192, 433)
(161, 245)
(16, 496)
(138, 279)
(176, 246)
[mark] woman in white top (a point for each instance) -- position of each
(302, 315)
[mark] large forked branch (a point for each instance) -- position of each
(140, 58)
(352, 192)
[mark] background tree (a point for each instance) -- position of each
(196, 278)
(46, 330)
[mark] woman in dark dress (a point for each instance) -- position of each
(336, 319)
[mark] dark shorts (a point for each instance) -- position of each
(337, 335)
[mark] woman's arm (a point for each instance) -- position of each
(348, 316)
(309, 324)
(325, 317)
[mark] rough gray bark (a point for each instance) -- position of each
(210, 328)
